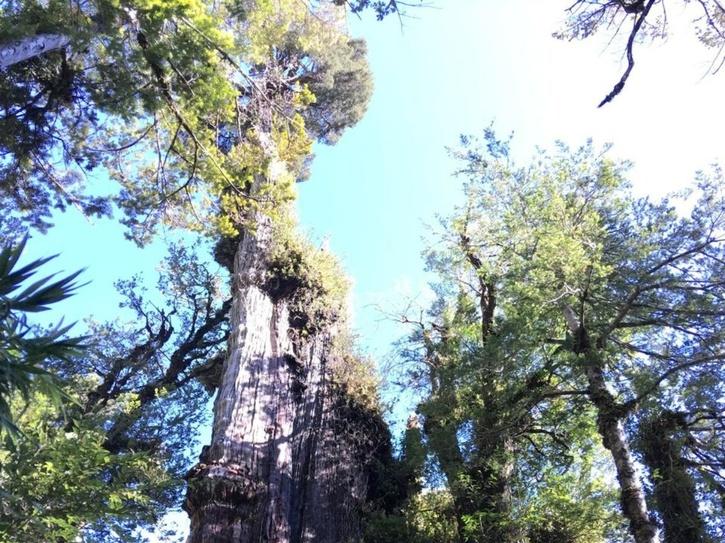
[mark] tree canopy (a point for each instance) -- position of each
(113, 458)
(568, 371)
(571, 313)
(169, 98)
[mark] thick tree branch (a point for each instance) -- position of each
(181, 359)
(26, 48)
(630, 56)
(487, 298)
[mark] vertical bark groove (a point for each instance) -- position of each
(284, 465)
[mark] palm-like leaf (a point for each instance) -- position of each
(24, 350)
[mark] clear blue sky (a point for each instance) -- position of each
(455, 69)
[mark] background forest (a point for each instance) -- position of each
(549, 370)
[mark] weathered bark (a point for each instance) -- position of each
(26, 48)
(674, 489)
(287, 462)
(614, 438)
(610, 416)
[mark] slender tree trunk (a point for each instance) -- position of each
(490, 477)
(609, 422)
(413, 455)
(503, 497)
(674, 489)
(441, 430)
(443, 441)
(482, 487)
(23, 49)
(610, 416)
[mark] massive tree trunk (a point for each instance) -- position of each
(674, 489)
(23, 49)
(287, 459)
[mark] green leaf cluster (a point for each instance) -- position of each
(24, 349)
(551, 273)
(309, 278)
(175, 100)
(58, 480)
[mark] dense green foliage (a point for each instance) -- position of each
(566, 308)
(24, 349)
(114, 458)
(177, 101)
(59, 480)
(61, 110)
